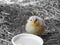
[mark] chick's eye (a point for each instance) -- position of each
(30, 20)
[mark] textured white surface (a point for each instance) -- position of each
(15, 22)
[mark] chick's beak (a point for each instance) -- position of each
(35, 21)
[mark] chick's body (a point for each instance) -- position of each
(35, 25)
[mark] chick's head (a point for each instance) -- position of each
(36, 21)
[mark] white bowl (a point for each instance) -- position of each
(26, 35)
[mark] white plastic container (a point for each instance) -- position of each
(27, 39)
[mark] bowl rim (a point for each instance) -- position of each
(12, 40)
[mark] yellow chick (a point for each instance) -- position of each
(35, 25)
